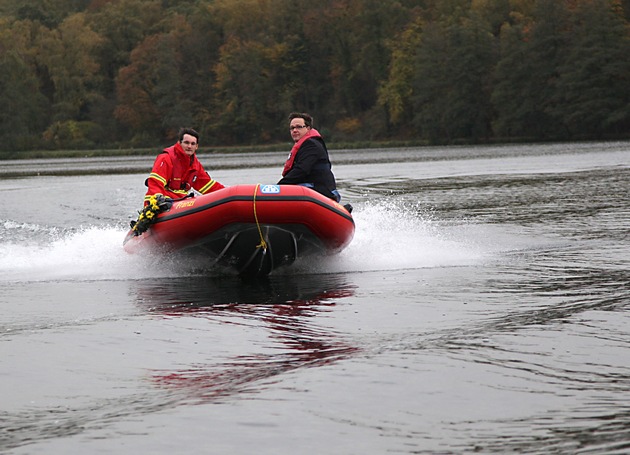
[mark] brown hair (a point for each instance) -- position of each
(190, 131)
(308, 120)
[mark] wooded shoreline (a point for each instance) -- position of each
(103, 74)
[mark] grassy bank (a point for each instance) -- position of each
(285, 146)
(51, 154)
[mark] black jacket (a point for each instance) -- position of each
(312, 165)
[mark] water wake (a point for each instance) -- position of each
(389, 236)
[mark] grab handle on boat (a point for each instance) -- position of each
(189, 195)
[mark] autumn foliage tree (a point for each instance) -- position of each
(101, 73)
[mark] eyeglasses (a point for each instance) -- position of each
(297, 127)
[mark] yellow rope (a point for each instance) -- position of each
(262, 243)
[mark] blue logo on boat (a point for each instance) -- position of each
(270, 189)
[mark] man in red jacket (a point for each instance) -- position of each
(177, 171)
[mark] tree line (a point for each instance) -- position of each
(128, 73)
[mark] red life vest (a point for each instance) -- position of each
(296, 147)
(180, 176)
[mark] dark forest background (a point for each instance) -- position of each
(78, 74)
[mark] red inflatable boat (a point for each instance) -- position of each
(253, 229)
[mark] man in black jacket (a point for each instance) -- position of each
(308, 163)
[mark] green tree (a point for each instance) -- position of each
(23, 107)
(526, 75)
(245, 90)
(123, 25)
(452, 80)
(395, 92)
(474, 59)
(349, 57)
(593, 88)
(261, 74)
(168, 82)
(199, 46)
(49, 13)
(66, 62)
(68, 55)
(494, 12)
(138, 86)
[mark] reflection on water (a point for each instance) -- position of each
(204, 292)
(285, 306)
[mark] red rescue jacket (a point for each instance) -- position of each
(175, 174)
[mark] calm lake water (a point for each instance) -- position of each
(482, 307)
